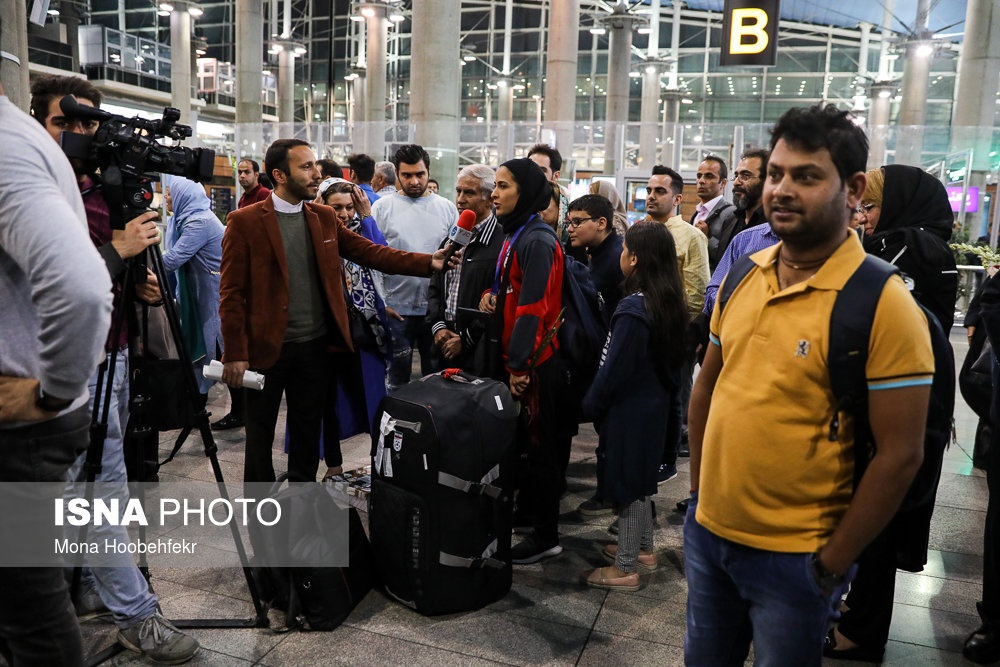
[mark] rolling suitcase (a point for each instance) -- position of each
(442, 486)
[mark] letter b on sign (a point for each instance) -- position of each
(750, 32)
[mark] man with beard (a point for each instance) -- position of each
(748, 186)
(750, 232)
(283, 309)
(414, 220)
(775, 521)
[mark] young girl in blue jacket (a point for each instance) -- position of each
(640, 369)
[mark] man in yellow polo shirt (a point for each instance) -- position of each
(773, 527)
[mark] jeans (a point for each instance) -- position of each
(404, 334)
(737, 594)
(37, 623)
(122, 588)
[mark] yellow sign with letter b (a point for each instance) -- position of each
(750, 32)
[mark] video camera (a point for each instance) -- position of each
(128, 155)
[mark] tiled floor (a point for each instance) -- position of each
(550, 619)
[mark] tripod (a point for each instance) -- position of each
(144, 424)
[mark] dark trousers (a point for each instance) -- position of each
(302, 375)
(345, 369)
(677, 410)
(545, 458)
(38, 625)
(870, 600)
(990, 606)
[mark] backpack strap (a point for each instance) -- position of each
(737, 272)
(851, 323)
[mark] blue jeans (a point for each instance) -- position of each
(122, 589)
(37, 622)
(412, 331)
(737, 594)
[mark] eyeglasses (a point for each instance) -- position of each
(576, 222)
(865, 208)
(745, 176)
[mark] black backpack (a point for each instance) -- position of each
(584, 325)
(850, 330)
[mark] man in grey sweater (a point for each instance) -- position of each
(414, 220)
(55, 296)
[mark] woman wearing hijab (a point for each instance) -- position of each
(194, 252)
(606, 189)
(907, 221)
(359, 376)
(526, 298)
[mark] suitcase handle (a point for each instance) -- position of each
(458, 375)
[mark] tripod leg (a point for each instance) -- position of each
(199, 421)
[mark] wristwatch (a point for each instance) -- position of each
(828, 581)
(50, 403)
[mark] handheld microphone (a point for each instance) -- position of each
(459, 235)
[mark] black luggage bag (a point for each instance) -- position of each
(442, 486)
(314, 598)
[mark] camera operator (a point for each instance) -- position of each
(122, 590)
(56, 309)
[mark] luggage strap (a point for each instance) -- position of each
(481, 487)
(383, 459)
(486, 560)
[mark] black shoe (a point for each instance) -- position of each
(682, 506)
(595, 507)
(983, 645)
(228, 422)
(856, 654)
(665, 473)
(531, 550)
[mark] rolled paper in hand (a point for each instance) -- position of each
(251, 380)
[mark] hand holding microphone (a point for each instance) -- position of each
(459, 236)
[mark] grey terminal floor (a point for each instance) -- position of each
(548, 618)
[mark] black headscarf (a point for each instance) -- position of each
(534, 193)
(913, 198)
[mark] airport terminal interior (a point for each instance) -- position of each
(617, 87)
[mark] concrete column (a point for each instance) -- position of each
(14, 59)
(619, 57)
(978, 79)
(70, 17)
(650, 115)
(505, 99)
(357, 107)
(286, 87)
(975, 95)
(249, 61)
(180, 61)
(377, 27)
(560, 72)
(672, 130)
(912, 109)
(878, 122)
(434, 92)
(864, 47)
